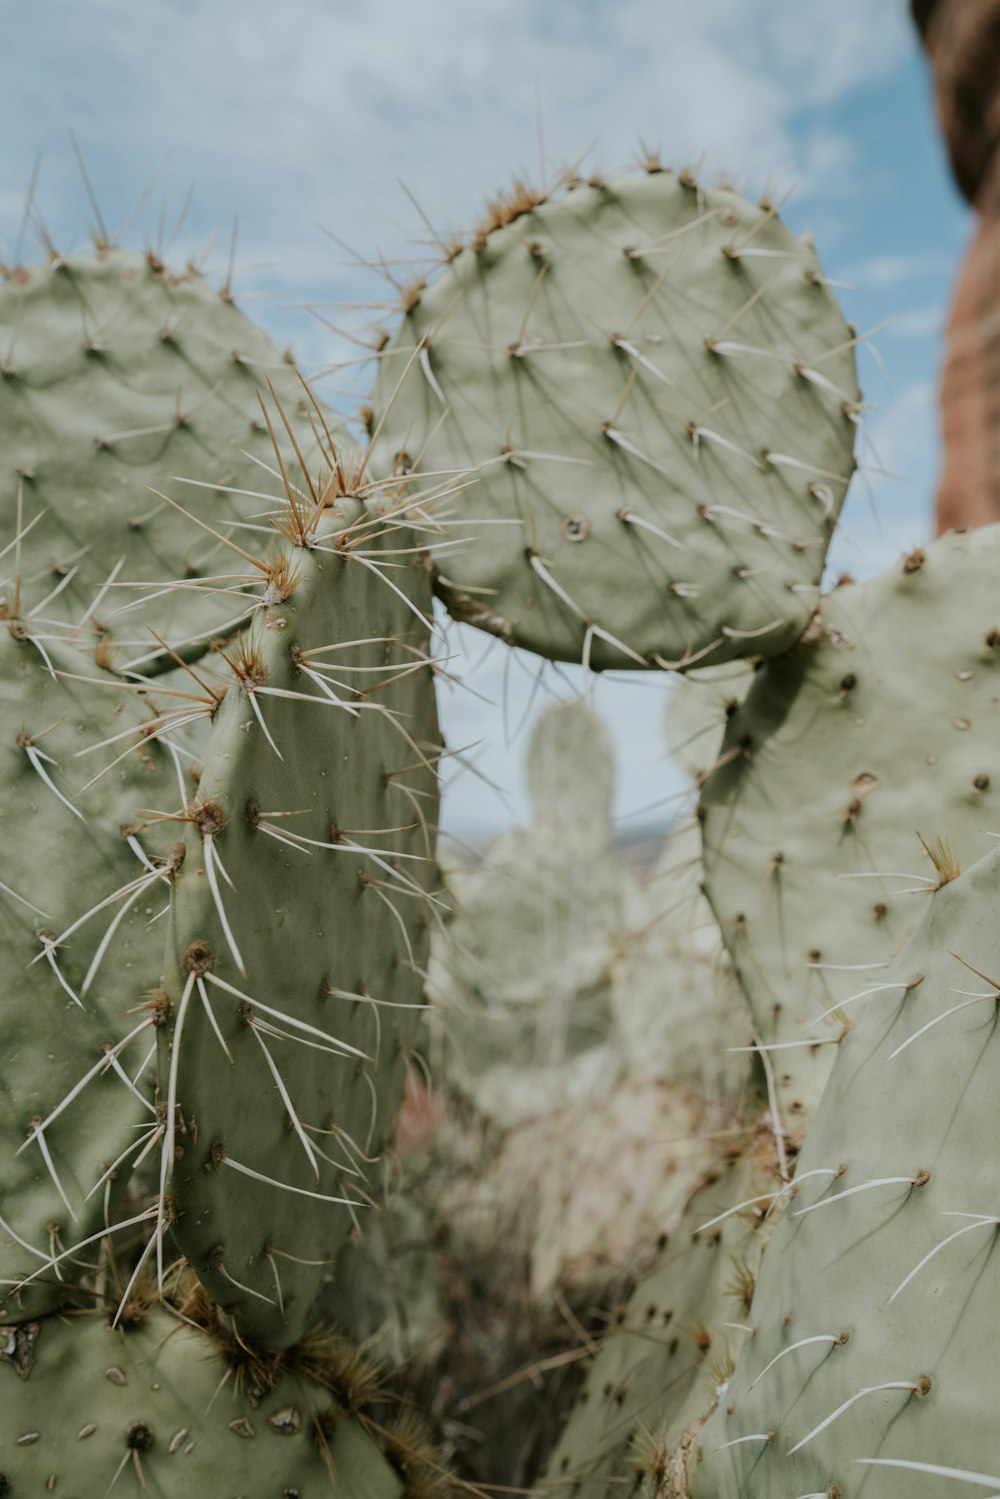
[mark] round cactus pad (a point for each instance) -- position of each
(650, 390)
(86, 873)
(121, 378)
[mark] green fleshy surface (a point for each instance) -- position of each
(387, 1285)
(537, 923)
(570, 771)
(666, 1360)
(699, 706)
(893, 712)
(523, 972)
(100, 353)
(675, 1000)
(747, 535)
(305, 923)
(66, 1427)
(62, 865)
(930, 1108)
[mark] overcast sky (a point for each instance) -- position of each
(311, 113)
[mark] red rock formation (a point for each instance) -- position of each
(962, 38)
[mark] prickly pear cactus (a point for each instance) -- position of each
(672, 1347)
(570, 772)
(299, 928)
(677, 1007)
(674, 997)
(121, 377)
(389, 1284)
(701, 703)
(653, 388)
(871, 1363)
(587, 1182)
(311, 897)
(87, 874)
(878, 730)
(271, 997)
(643, 372)
(581, 1165)
(160, 1409)
(524, 968)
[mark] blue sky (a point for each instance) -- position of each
(311, 113)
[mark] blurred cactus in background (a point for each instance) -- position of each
(578, 1087)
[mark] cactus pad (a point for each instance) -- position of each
(118, 376)
(299, 930)
(668, 1357)
(652, 388)
(527, 964)
(157, 1411)
(873, 1361)
(674, 998)
(882, 730)
(570, 773)
(82, 881)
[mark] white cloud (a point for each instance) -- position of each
(919, 322)
(903, 430)
(309, 112)
(896, 269)
(831, 49)
(312, 109)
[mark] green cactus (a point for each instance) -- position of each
(389, 1286)
(580, 1165)
(880, 728)
(85, 876)
(327, 843)
(525, 968)
(298, 929)
(163, 1409)
(872, 1357)
(677, 1006)
(672, 1347)
(674, 997)
(700, 704)
(653, 387)
(95, 345)
(595, 1181)
(279, 815)
(119, 377)
(570, 771)
(841, 708)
